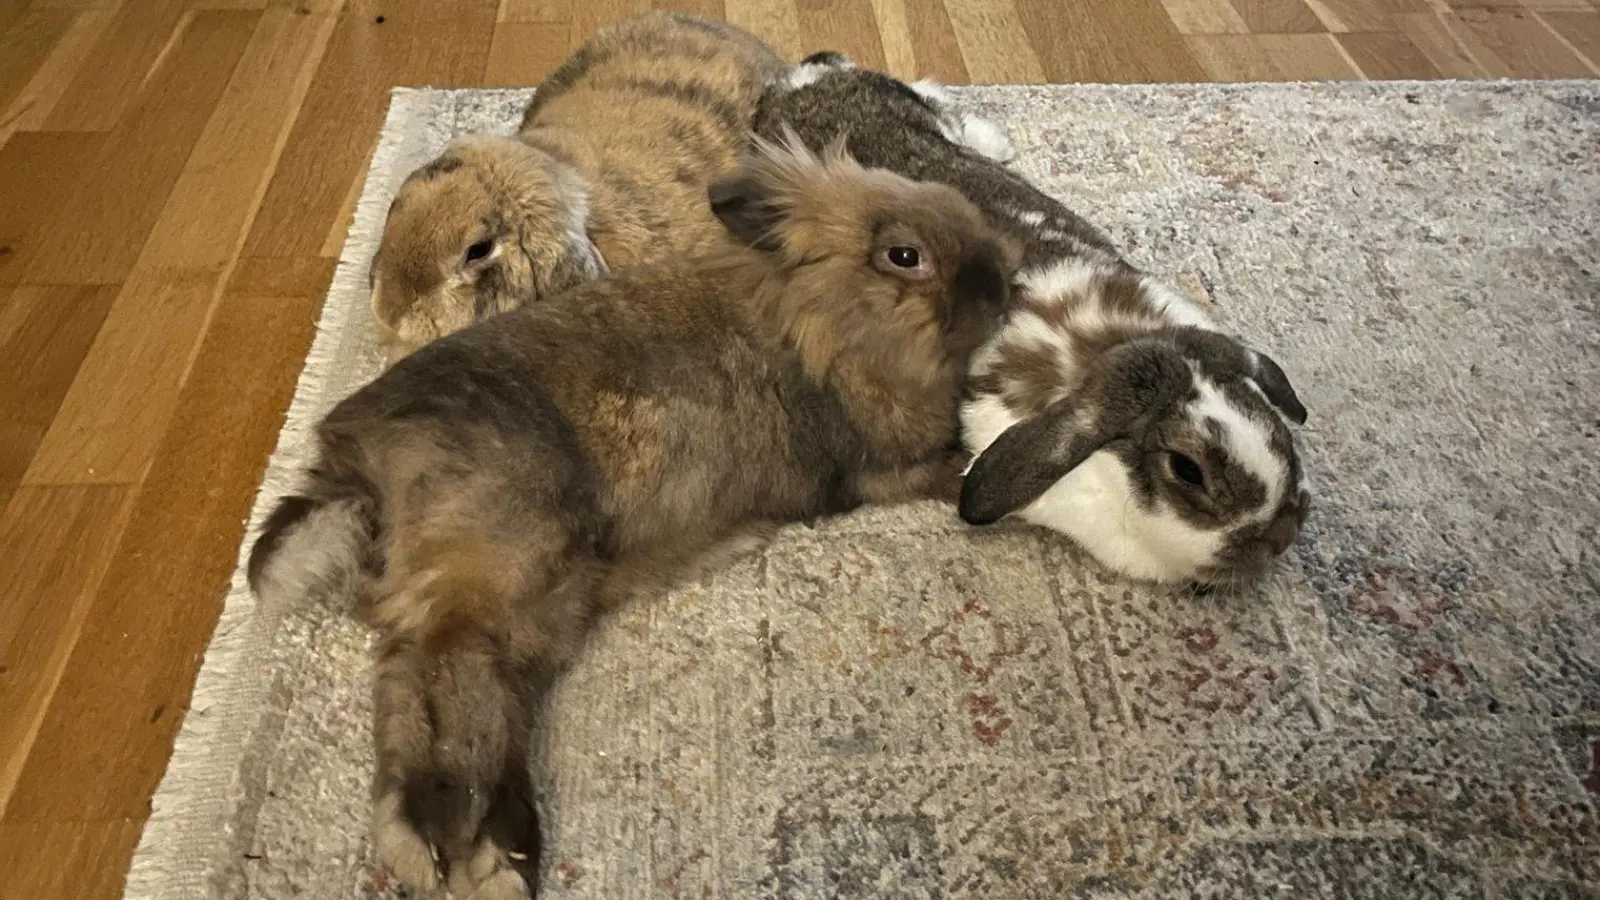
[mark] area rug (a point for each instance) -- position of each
(894, 705)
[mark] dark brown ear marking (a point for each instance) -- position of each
(1275, 385)
(444, 165)
(826, 58)
(1023, 462)
(740, 204)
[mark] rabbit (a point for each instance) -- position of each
(1108, 407)
(609, 167)
(489, 495)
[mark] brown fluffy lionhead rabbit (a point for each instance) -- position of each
(609, 168)
(493, 492)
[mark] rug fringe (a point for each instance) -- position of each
(199, 792)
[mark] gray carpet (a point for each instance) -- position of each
(893, 706)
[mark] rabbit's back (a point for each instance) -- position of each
(651, 111)
(915, 131)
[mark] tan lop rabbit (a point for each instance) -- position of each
(609, 168)
(491, 494)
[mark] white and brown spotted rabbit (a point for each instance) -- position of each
(609, 168)
(1109, 407)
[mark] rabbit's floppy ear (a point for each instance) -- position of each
(1025, 460)
(829, 58)
(752, 202)
(1275, 385)
(743, 204)
(1129, 390)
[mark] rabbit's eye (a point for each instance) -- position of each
(479, 251)
(1187, 470)
(905, 257)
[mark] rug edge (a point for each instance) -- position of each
(195, 792)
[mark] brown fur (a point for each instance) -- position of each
(609, 169)
(522, 476)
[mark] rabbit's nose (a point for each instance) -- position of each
(1280, 534)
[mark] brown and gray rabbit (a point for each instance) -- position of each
(1109, 407)
(491, 494)
(609, 168)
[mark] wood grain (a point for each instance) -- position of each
(1524, 43)
(524, 11)
(217, 194)
(1308, 57)
(26, 46)
(843, 25)
(1518, 4)
(418, 42)
(255, 276)
(45, 332)
(59, 541)
(894, 33)
(1233, 57)
(776, 21)
(1383, 55)
(711, 9)
(109, 424)
(42, 168)
(1446, 48)
(994, 45)
(1278, 16)
(522, 53)
(1205, 17)
(34, 103)
(32, 856)
(100, 225)
(934, 44)
(102, 748)
(139, 35)
(1364, 16)
(179, 176)
(1581, 31)
(1136, 43)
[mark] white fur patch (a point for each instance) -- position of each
(932, 91)
(1094, 505)
(1025, 327)
(377, 291)
(809, 73)
(505, 884)
(1030, 217)
(487, 876)
(1176, 307)
(576, 234)
(985, 138)
(318, 557)
(983, 419)
(1304, 483)
(398, 846)
(1069, 277)
(976, 133)
(1248, 443)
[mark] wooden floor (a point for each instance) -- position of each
(176, 177)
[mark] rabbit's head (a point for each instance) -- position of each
(885, 286)
(489, 225)
(1171, 459)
